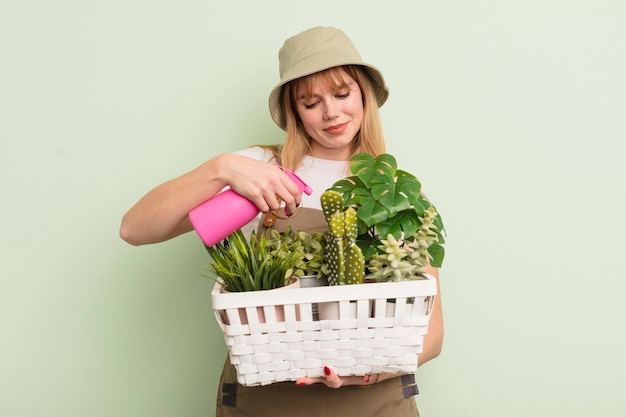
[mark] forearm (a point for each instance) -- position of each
(433, 341)
(163, 212)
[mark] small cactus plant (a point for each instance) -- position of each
(344, 262)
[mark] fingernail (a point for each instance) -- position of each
(327, 370)
(367, 378)
(299, 384)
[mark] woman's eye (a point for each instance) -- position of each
(344, 95)
(310, 105)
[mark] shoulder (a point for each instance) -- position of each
(256, 152)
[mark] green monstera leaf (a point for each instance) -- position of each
(388, 201)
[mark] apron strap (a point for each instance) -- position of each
(305, 219)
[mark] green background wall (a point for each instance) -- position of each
(510, 112)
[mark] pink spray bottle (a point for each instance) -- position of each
(228, 212)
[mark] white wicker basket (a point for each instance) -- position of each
(266, 347)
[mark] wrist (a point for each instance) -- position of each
(218, 169)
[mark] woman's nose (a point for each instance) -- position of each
(330, 111)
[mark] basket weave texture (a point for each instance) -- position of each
(276, 335)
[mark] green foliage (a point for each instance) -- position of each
(399, 261)
(389, 202)
(249, 265)
(309, 246)
(393, 262)
(380, 226)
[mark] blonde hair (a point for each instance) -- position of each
(297, 143)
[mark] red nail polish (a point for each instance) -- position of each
(299, 384)
(327, 370)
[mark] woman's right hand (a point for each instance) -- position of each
(265, 184)
(163, 212)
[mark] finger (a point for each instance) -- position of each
(272, 200)
(308, 381)
(290, 209)
(279, 191)
(332, 379)
(291, 200)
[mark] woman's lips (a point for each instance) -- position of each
(336, 129)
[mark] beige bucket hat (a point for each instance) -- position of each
(315, 50)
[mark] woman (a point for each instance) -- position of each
(327, 101)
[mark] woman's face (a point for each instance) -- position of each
(331, 113)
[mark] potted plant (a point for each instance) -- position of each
(310, 246)
(241, 265)
(397, 229)
(381, 227)
(310, 269)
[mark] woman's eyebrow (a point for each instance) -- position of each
(306, 96)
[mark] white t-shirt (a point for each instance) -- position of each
(319, 174)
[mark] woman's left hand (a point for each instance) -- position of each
(332, 380)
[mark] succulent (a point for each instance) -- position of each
(344, 262)
(393, 262)
(398, 260)
(309, 245)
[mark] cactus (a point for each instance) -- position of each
(344, 260)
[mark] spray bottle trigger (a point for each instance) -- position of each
(301, 184)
